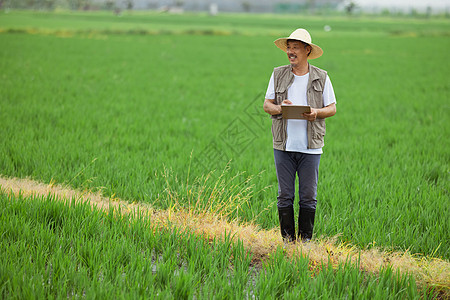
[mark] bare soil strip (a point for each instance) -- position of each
(428, 271)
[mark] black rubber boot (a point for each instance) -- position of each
(306, 224)
(287, 223)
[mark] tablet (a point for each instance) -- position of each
(292, 111)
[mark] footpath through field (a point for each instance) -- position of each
(432, 272)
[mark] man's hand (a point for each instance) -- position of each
(321, 113)
(273, 109)
(312, 116)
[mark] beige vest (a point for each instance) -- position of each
(283, 79)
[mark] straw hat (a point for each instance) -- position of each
(300, 35)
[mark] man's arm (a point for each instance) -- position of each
(321, 113)
(273, 109)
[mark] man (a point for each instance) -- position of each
(298, 143)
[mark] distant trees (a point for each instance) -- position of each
(246, 6)
(42, 4)
(80, 4)
(350, 7)
(129, 4)
(68, 4)
(46, 4)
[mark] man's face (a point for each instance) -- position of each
(296, 52)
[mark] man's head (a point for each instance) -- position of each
(302, 37)
(297, 51)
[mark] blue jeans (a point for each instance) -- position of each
(306, 166)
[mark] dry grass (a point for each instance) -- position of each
(428, 271)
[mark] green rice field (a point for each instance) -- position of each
(69, 251)
(146, 107)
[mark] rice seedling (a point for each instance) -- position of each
(128, 257)
(253, 245)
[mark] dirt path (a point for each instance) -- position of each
(427, 271)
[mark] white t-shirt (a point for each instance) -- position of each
(297, 138)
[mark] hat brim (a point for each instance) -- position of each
(316, 51)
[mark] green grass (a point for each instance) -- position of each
(111, 110)
(223, 24)
(53, 250)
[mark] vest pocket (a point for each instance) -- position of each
(279, 98)
(317, 86)
(315, 96)
(318, 133)
(277, 130)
